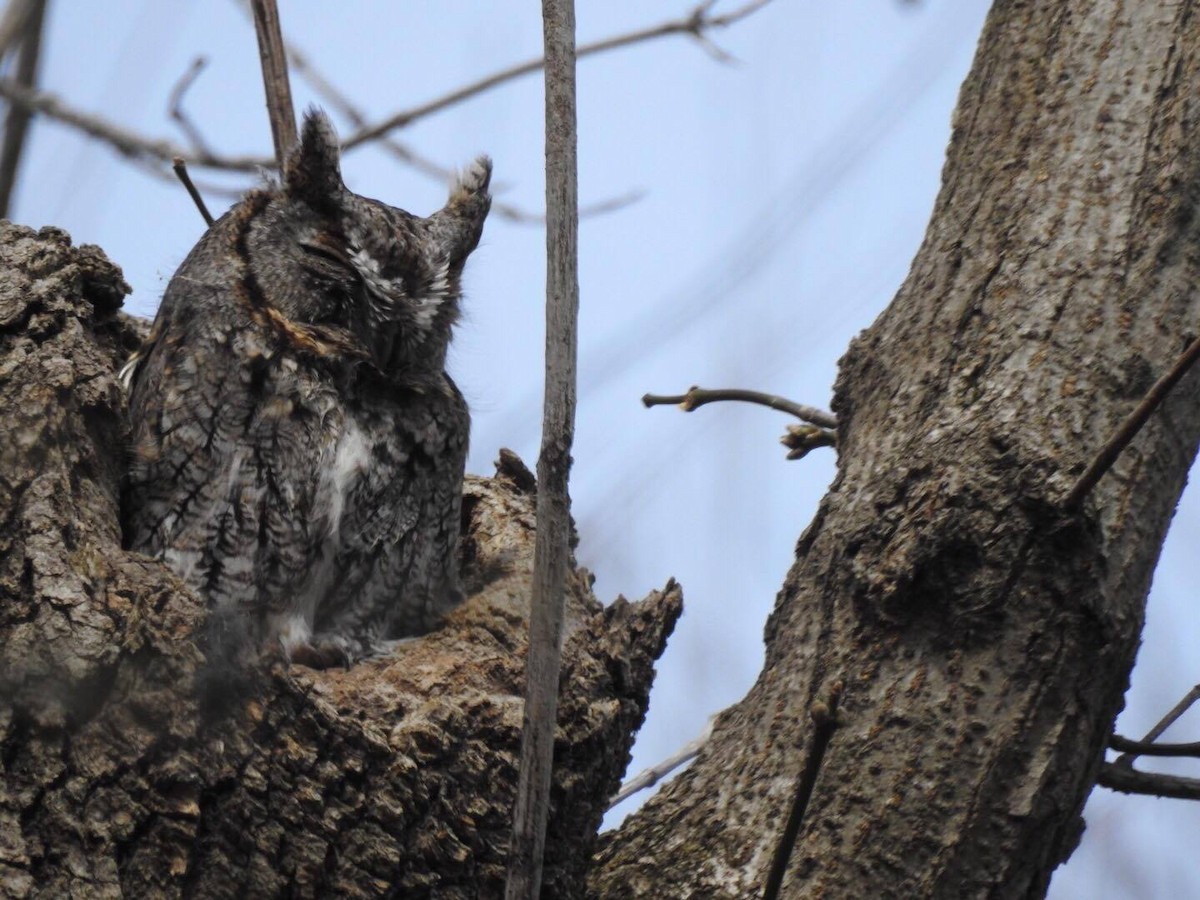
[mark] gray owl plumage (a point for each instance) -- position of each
(298, 448)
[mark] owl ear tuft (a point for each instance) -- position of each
(459, 224)
(312, 172)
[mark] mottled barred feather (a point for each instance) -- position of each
(298, 448)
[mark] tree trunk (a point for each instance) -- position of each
(394, 778)
(982, 635)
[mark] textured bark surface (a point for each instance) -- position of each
(984, 638)
(393, 778)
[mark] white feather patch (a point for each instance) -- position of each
(474, 178)
(294, 629)
(435, 294)
(125, 376)
(350, 459)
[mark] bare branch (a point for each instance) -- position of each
(175, 105)
(124, 141)
(141, 147)
(803, 439)
(275, 77)
(599, 208)
(338, 101)
(825, 722)
(714, 50)
(149, 150)
(1108, 454)
(14, 23)
(652, 775)
(1126, 760)
(343, 105)
(1150, 748)
(551, 548)
(16, 127)
(152, 168)
(698, 396)
(698, 23)
(799, 439)
(181, 173)
(1130, 781)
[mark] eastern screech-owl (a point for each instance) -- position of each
(298, 448)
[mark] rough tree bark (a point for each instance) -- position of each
(394, 778)
(984, 637)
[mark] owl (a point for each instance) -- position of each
(297, 446)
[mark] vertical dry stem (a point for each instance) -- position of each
(275, 76)
(554, 462)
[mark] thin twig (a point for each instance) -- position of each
(697, 397)
(181, 173)
(124, 141)
(207, 188)
(16, 126)
(1150, 748)
(175, 105)
(1131, 426)
(803, 439)
(143, 149)
(554, 462)
(342, 104)
(1126, 759)
(138, 146)
(339, 102)
(825, 720)
(652, 775)
(334, 99)
(599, 208)
(697, 23)
(1156, 784)
(14, 23)
(275, 77)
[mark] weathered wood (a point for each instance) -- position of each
(395, 777)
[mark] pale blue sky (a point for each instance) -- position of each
(786, 196)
